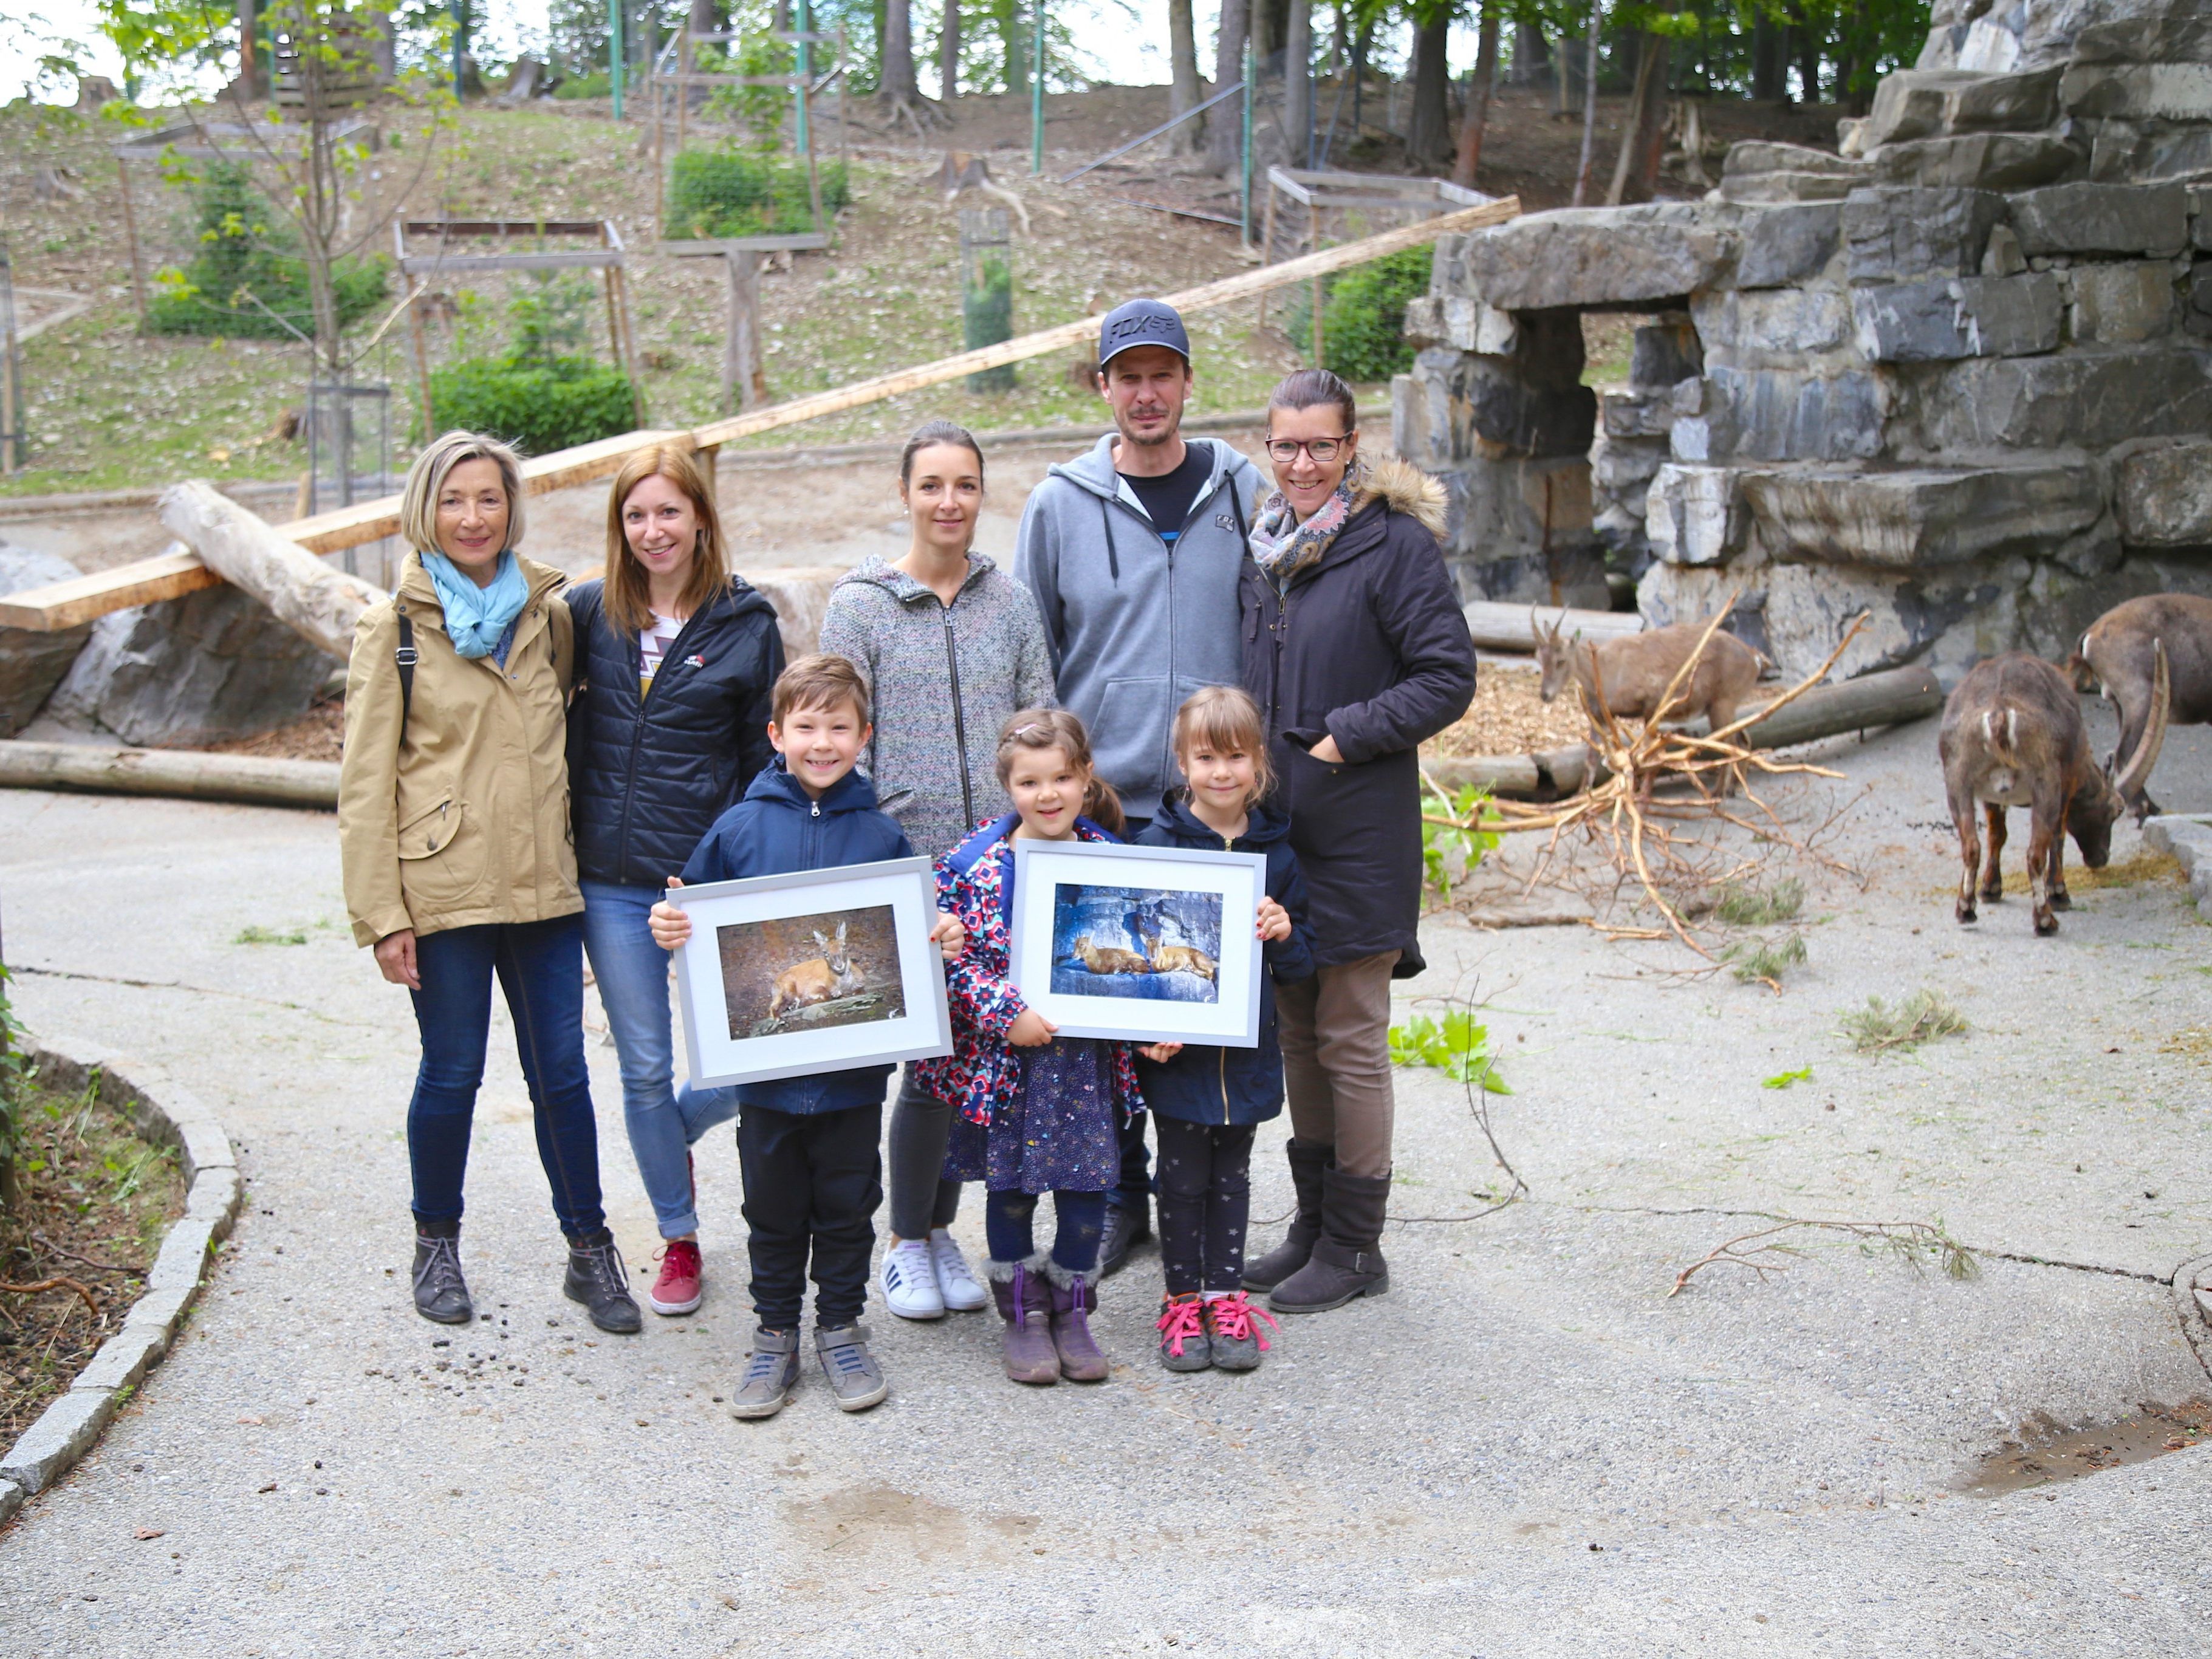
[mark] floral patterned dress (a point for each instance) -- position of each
(1035, 1120)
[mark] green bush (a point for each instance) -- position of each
(986, 317)
(736, 192)
(1363, 318)
(243, 249)
(537, 404)
(598, 84)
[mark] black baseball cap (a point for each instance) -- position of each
(1142, 322)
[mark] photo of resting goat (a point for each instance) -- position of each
(2013, 736)
(1626, 675)
(2116, 658)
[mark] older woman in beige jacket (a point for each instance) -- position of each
(453, 832)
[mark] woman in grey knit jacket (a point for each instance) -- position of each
(950, 646)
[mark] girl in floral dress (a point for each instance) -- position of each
(1038, 1113)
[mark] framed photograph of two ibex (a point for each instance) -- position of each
(1142, 944)
(816, 971)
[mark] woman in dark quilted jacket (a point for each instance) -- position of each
(677, 660)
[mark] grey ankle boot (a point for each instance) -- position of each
(771, 1373)
(854, 1376)
(441, 1292)
(1346, 1261)
(597, 1278)
(1309, 1159)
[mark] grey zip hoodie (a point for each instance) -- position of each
(944, 680)
(1134, 629)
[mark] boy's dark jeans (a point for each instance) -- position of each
(1205, 1203)
(540, 967)
(812, 1179)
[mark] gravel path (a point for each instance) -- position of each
(1524, 1449)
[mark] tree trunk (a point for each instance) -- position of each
(1590, 105)
(1809, 41)
(1766, 81)
(1184, 92)
(314, 598)
(1014, 35)
(948, 53)
(1225, 127)
(1297, 85)
(1643, 138)
(1478, 98)
(1267, 16)
(896, 83)
(1531, 57)
(1428, 130)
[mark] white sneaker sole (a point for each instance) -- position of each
(882, 1392)
(975, 1303)
(671, 1309)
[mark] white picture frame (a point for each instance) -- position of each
(778, 951)
(1140, 943)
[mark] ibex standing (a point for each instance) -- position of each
(2013, 736)
(1628, 674)
(2119, 651)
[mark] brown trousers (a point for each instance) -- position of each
(1335, 1032)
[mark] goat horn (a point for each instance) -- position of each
(2137, 774)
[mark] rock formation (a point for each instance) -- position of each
(1957, 376)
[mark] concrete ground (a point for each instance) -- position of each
(1526, 1449)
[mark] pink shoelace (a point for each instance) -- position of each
(1233, 1316)
(1181, 1319)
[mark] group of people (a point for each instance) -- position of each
(1186, 652)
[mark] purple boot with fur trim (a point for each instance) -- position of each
(1074, 1299)
(1025, 1303)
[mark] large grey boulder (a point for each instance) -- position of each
(2124, 303)
(2165, 494)
(31, 663)
(1900, 233)
(1920, 518)
(1521, 529)
(1962, 317)
(1787, 244)
(2103, 218)
(1925, 103)
(211, 667)
(1978, 161)
(1786, 415)
(2078, 398)
(1594, 256)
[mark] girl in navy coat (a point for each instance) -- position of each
(1208, 1101)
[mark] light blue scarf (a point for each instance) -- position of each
(478, 618)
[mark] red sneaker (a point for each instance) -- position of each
(677, 1289)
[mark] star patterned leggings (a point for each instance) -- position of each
(1206, 1203)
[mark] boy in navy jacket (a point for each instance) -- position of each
(808, 1145)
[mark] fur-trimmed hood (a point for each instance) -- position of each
(1403, 487)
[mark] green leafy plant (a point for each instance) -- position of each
(552, 319)
(255, 933)
(986, 317)
(1880, 1028)
(1785, 1079)
(247, 255)
(1363, 318)
(1740, 905)
(1764, 961)
(540, 406)
(16, 1073)
(1458, 1045)
(736, 192)
(1452, 849)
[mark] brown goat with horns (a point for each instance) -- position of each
(2013, 736)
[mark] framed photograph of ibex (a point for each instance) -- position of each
(816, 971)
(1140, 943)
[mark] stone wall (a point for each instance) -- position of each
(1957, 377)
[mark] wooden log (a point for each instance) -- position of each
(59, 606)
(1542, 776)
(1497, 627)
(188, 774)
(318, 604)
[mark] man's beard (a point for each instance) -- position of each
(1163, 435)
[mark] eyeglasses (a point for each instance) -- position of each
(1285, 450)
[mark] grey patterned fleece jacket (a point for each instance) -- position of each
(944, 678)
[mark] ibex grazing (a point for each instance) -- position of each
(2013, 736)
(2117, 656)
(829, 976)
(1628, 674)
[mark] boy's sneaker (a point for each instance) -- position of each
(676, 1291)
(961, 1290)
(1232, 1333)
(909, 1281)
(854, 1376)
(770, 1374)
(1184, 1345)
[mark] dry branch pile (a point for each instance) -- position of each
(1659, 821)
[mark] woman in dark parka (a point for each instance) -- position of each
(1356, 650)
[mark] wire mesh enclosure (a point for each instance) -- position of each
(349, 434)
(15, 451)
(986, 290)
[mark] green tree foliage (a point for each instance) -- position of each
(542, 394)
(1363, 316)
(738, 191)
(247, 254)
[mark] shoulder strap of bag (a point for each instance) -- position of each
(406, 657)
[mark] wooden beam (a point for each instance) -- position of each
(450, 265)
(60, 606)
(252, 780)
(88, 597)
(505, 228)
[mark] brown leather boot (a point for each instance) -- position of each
(1026, 1303)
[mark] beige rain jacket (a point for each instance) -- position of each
(464, 818)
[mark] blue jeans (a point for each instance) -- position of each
(1010, 1235)
(541, 971)
(664, 1121)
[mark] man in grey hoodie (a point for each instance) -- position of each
(1134, 553)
